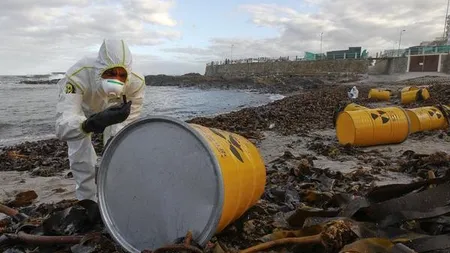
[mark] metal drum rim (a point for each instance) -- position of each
(214, 219)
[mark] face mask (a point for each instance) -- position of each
(112, 87)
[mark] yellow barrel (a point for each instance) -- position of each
(426, 118)
(411, 96)
(373, 126)
(161, 177)
(243, 172)
(354, 107)
(379, 94)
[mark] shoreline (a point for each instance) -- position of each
(306, 167)
(273, 84)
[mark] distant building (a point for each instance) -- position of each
(351, 52)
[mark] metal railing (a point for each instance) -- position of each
(404, 52)
(249, 60)
(429, 50)
(334, 56)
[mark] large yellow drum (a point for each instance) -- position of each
(243, 172)
(160, 178)
(426, 118)
(373, 126)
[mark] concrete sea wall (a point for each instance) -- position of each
(357, 66)
(389, 66)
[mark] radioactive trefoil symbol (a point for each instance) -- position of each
(433, 112)
(381, 114)
(234, 144)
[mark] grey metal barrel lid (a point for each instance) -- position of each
(157, 179)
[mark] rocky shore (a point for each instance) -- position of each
(264, 84)
(319, 197)
(280, 84)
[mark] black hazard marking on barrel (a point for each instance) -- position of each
(234, 144)
(434, 111)
(384, 119)
(236, 153)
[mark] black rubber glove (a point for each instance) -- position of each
(113, 115)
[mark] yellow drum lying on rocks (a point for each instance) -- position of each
(161, 177)
(373, 126)
(411, 96)
(243, 172)
(426, 118)
(379, 94)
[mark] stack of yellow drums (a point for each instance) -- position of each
(361, 126)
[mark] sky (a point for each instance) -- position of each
(181, 36)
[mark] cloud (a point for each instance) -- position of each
(151, 11)
(188, 50)
(373, 25)
(38, 35)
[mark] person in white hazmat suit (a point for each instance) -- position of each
(91, 100)
(353, 93)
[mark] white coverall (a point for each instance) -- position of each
(82, 94)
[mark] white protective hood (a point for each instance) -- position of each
(112, 53)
